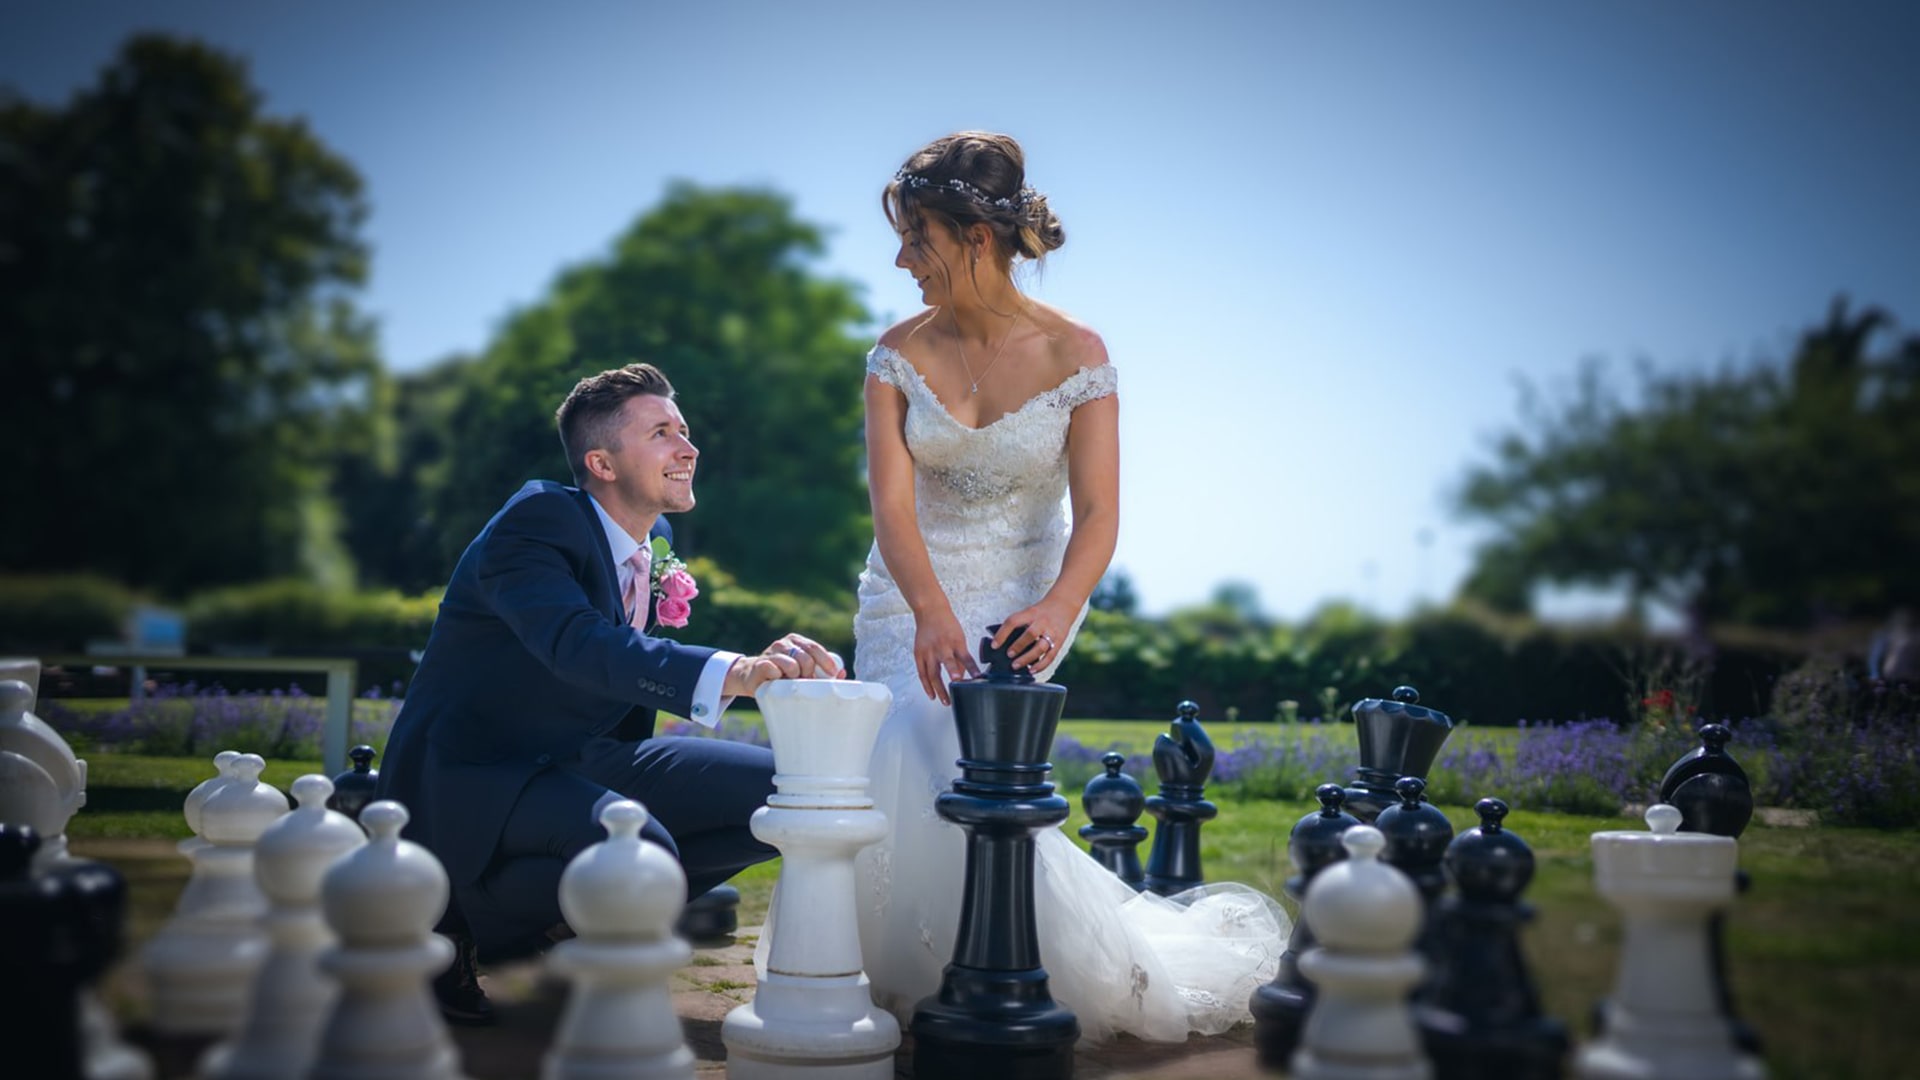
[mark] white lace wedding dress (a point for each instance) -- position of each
(990, 506)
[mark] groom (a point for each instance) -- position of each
(534, 703)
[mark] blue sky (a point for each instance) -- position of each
(1320, 240)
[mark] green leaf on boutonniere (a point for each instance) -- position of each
(660, 548)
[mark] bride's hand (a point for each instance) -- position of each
(1035, 632)
(939, 643)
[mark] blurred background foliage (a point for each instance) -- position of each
(210, 425)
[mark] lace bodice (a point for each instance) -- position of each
(991, 508)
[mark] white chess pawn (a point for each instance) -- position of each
(197, 798)
(621, 897)
(290, 997)
(1663, 1021)
(813, 1013)
(1364, 915)
(41, 783)
(201, 964)
(381, 901)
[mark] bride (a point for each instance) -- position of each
(986, 412)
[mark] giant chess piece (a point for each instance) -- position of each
(381, 901)
(1183, 756)
(813, 1013)
(1711, 792)
(59, 931)
(42, 784)
(1280, 1007)
(1481, 1016)
(1113, 802)
(355, 788)
(202, 963)
(1365, 914)
(1663, 1019)
(993, 1015)
(621, 897)
(290, 997)
(1400, 737)
(1417, 837)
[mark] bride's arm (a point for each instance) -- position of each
(938, 639)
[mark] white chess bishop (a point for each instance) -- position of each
(290, 999)
(813, 1013)
(202, 963)
(620, 897)
(1663, 1021)
(1364, 915)
(381, 901)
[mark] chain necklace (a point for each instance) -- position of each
(959, 342)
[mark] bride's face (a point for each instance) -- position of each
(936, 259)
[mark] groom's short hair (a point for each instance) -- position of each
(589, 418)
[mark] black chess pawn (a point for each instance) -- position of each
(1711, 791)
(1113, 802)
(1479, 1013)
(354, 789)
(993, 1014)
(59, 932)
(1183, 757)
(1398, 737)
(1280, 1007)
(1417, 837)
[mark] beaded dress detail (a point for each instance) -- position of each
(991, 508)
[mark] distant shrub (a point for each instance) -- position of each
(61, 612)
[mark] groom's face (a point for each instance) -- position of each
(653, 467)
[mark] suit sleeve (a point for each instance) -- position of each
(528, 571)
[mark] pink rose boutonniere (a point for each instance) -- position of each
(673, 586)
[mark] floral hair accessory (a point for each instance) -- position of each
(1017, 202)
(673, 585)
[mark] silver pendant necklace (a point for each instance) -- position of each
(959, 342)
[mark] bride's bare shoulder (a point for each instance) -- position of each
(1072, 343)
(898, 336)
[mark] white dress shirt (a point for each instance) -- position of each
(707, 705)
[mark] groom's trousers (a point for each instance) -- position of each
(699, 793)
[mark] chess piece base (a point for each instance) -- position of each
(810, 1026)
(1021, 1034)
(1279, 1015)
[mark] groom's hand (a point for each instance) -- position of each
(814, 660)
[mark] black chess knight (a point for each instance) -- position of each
(1183, 757)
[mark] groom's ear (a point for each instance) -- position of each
(599, 464)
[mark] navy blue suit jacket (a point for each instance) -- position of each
(530, 656)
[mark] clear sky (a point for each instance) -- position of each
(1321, 240)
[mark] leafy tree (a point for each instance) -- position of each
(1780, 494)
(1239, 597)
(1115, 593)
(713, 286)
(384, 482)
(180, 350)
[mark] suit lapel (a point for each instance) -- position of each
(610, 596)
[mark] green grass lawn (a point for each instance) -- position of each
(1824, 949)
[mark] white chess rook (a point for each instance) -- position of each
(1364, 914)
(621, 897)
(202, 963)
(1663, 1021)
(381, 901)
(813, 1013)
(291, 998)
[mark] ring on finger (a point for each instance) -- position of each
(795, 651)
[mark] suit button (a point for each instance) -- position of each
(543, 759)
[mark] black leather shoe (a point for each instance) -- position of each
(457, 989)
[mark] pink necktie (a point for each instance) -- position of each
(636, 594)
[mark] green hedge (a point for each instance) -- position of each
(1479, 668)
(61, 613)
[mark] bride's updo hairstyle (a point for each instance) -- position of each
(975, 178)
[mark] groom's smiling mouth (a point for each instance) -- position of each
(680, 476)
